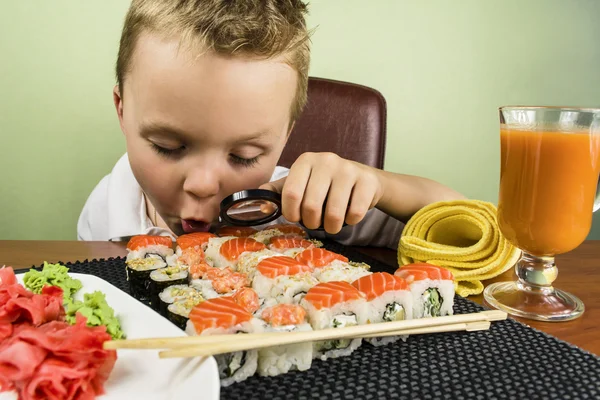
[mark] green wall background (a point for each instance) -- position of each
(443, 66)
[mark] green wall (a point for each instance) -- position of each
(443, 66)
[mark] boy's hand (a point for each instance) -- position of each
(325, 183)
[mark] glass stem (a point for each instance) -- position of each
(536, 274)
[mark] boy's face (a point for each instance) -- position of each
(200, 129)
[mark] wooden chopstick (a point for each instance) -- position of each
(232, 343)
(468, 327)
(357, 331)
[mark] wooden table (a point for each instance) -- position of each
(579, 273)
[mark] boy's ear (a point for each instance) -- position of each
(118, 100)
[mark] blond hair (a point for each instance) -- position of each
(255, 28)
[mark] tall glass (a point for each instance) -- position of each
(550, 164)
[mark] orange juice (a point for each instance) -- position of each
(547, 188)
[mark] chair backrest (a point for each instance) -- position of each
(342, 118)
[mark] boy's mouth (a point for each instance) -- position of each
(189, 226)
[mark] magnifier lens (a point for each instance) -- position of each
(252, 210)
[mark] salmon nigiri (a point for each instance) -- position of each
(282, 279)
(432, 289)
(335, 305)
(140, 241)
(225, 252)
(238, 231)
(389, 299)
(193, 239)
(223, 315)
(318, 257)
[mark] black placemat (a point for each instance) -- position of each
(510, 361)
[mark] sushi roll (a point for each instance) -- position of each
(172, 293)
(432, 289)
(217, 282)
(236, 231)
(248, 262)
(289, 229)
(222, 252)
(283, 279)
(145, 254)
(162, 278)
(279, 360)
(224, 316)
(318, 258)
(266, 235)
(190, 249)
(248, 299)
(178, 312)
(292, 244)
(335, 305)
(388, 299)
(342, 271)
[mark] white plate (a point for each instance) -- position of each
(140, 374)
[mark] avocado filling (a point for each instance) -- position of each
(230, 363)
(393, 312)
(432, 303)
(339, 321)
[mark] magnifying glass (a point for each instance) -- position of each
(253, 207)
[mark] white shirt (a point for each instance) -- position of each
(116, 210)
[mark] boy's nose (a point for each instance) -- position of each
(202, 182)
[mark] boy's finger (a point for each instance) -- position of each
(360, 201)
(275, 186)
(338, 200)
(314, 197)
(292, 192)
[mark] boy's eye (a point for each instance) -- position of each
(166, 152)
(245, 162)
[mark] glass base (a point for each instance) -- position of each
(549, 304)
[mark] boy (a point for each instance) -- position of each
(207, 95)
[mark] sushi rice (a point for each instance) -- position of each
(339, 270)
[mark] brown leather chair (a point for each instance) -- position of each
(342, 118)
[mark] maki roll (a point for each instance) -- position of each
(225, 252)
(215, 282)
(248, 262)
(172, 293)
(278, 360)
(224, 316)
(339, 270)
(236, 231)
(388, 299)
(178, 312)
(145, 254)
(265, 235)
(190, 249)
(162, 278)
(335, 305)
(283, 279)
(292, 244)
(432, 289)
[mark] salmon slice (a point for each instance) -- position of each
(317, 257)
(327, 295)
(248, 299)
(220, 312)
(193, 239)
(233, 248)
(290, 241)
(288, 229)
(422, 271)
(239, 231)
(139, 241)
(376, 284)
(284, 314)
(273, 267)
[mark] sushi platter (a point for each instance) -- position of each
(243, 280)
